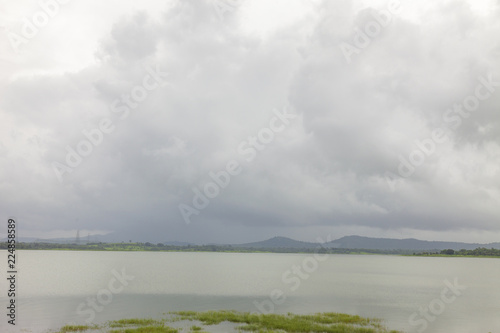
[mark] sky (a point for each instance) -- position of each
(230, 121)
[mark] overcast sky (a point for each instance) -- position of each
(375, 118)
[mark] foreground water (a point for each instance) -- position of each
(410, 293)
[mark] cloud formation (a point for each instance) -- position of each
(220, 79)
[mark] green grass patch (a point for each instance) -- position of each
(328, 322)
(316, 323)
(133, 322)
(76, 328)
(146, 329)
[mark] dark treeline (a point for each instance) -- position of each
(478, 252)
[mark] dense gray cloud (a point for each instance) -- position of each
(183, 88)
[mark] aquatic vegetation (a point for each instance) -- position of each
(147, 329)
(76, 328)
(329, 322)
(135, 325)
(133, 322)
(320, 322)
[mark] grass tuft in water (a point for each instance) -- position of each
(76, 328)
(133, 322)
(317, 323)
(329, 322)
(146, 329)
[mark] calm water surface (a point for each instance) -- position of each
(58, 287)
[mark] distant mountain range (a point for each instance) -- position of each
(347, 242)
(277, 242)
(359, 242)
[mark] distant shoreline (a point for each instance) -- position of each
(149, 247)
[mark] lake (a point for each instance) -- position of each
(429, 294)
